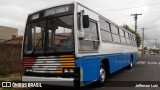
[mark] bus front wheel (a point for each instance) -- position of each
(102, 75)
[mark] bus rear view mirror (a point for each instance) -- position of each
(85, 21)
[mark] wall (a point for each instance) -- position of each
(10, 58)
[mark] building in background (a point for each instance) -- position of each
(7, 33)
(15, 41)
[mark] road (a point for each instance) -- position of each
(146, 69)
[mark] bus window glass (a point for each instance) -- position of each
(121, 32)
(123, 40)
(116, 38)
(91, 40)
(57, 36)
(104, 25)
(128, 41)
(91, 32)
(34, 41)
(60, 34)
(114, 29)
(126, 34)
(106, 36)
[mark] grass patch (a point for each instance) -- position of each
(7, 88)
(11, 88)
(21, 72)
(4, 74)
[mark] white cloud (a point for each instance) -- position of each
(14, 13)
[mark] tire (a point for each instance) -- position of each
(130, 66)
(102, 75)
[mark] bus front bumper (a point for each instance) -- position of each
(50, 80)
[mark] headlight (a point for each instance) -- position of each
(68, 70)
(71, 70)
(28, 70)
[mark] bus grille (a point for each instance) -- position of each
(49, 64)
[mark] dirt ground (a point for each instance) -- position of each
(11, 77)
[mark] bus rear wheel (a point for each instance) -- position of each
(130, 66)
(102, 75)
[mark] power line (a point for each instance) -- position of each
(153, 27)
(149, 41)
(152, 31)
(130, 7)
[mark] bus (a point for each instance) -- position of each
(72, 45)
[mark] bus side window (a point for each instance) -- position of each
(115, 34)
(91, 40)
(122, 36)
(105, 30)
(127, 38)
(131, 36)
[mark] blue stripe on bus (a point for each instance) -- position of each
(90, 65)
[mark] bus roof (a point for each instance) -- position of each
(75, 3)
(52, 7)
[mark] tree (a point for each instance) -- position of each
(138, 38)
(145, 48)
(154, 50)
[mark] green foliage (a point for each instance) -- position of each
(138, 38)
(154, 50)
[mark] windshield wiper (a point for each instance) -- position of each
(37, 44)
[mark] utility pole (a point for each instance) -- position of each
(135, 18)
(156, 44)
(143, 41)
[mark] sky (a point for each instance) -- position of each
(13, 13)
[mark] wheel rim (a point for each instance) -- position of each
(102, 75)
(131, 64)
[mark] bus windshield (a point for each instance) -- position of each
(50, 35)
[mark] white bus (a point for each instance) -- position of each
(71, 45)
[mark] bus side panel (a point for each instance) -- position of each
(118, 61)
(135, 56)
(122, 60)
(89, 68)
(113, 64)
(90, 65)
